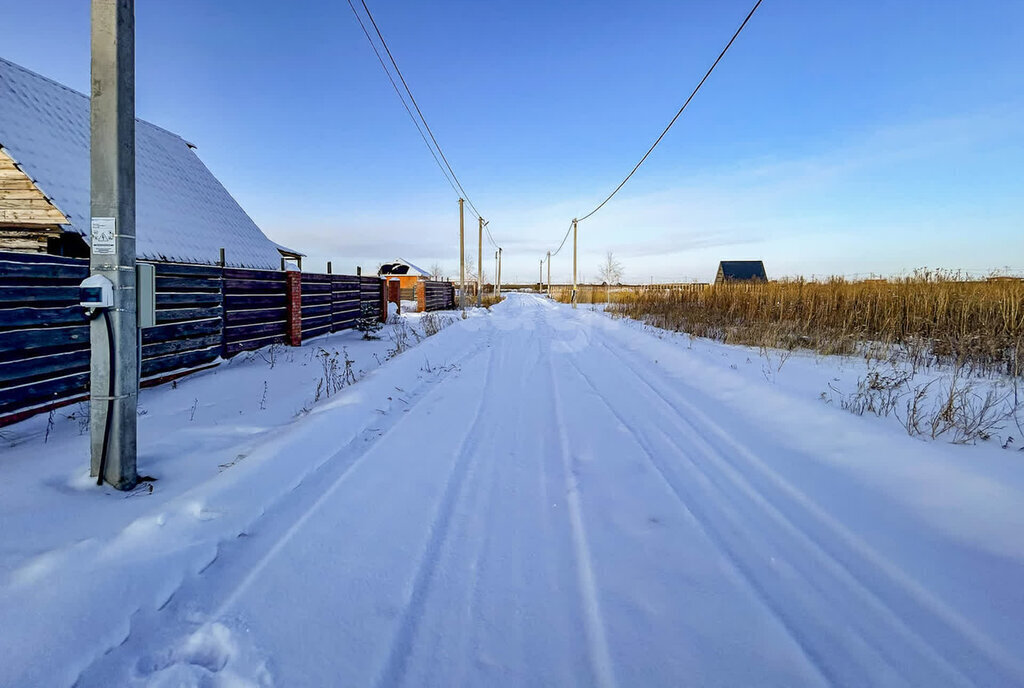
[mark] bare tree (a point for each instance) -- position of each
(437, 272)
(609, 272)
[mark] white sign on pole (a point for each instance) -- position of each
(103, 236)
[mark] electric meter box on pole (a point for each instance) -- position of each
(96, 292)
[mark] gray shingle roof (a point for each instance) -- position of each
(183, 213)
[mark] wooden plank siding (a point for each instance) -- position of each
(23, 206)
(44, 333)
(255, 309)
(331, 303)
(439, 296)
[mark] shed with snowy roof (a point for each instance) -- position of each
(183, 213)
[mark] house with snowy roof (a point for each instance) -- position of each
(407, 274)
(183, 213)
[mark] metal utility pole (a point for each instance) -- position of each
(549, 274)
(480, 264)
(499, 272)
(114, 380)
(574, 263)
(462, 257)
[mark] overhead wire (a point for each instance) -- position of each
(398, 92)
(416, 105)
(435, 149)
(678, 113)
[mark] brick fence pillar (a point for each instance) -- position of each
(421, 296)
(395, 293)
(293, 320)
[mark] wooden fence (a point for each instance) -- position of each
(334, 302)
(438, 296)
(203, 313)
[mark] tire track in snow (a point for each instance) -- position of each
(794, 632)
(481, 556)
(839, 557)
(328, 492)
(309, 493)
(597, 641)
(393, 671)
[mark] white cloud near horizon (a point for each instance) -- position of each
(885, 201)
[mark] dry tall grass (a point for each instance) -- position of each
(930, 317)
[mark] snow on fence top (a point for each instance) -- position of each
(183, 213)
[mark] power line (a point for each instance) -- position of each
(680, 112)
(416, 105)
(563, 241)
(401, 97)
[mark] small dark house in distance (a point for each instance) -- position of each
(740, 271)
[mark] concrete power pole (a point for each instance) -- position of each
(462, 257)
(499, 272)
(549, 274)
(540, 278)
(574, 263)
(114, 380)
(480, 265)
(495, 292)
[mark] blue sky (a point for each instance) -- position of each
(833, 138)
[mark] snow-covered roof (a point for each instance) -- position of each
(183, 214)
(390, 268)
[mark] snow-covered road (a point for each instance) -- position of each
(574, 502)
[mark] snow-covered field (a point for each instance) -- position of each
(534, 496)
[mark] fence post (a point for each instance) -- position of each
(382, 286)
(421, 296)
(223, 308)
(293, 292)
(394, 289)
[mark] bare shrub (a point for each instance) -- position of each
(954, 410)
(335, 374)
(433, 323)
